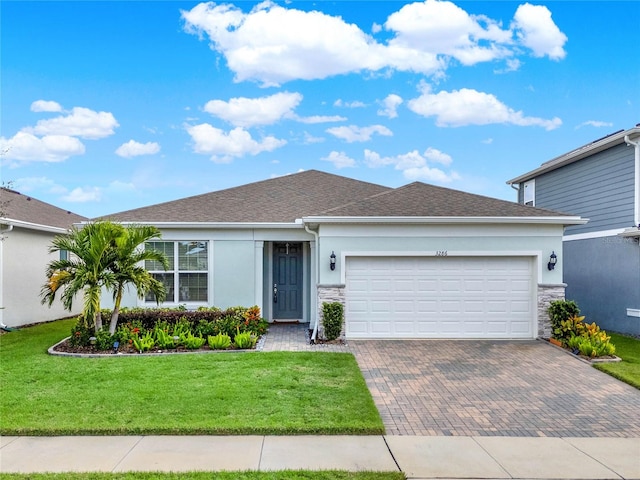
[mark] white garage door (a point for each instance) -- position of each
(439, 297)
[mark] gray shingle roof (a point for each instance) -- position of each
(281, 199)
(314, 193)
(16, 206)
(421, 200)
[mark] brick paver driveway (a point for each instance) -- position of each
(524, 388)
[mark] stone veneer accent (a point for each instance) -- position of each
(546, 294)
(329, 294)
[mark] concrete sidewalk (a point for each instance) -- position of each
(417, 457)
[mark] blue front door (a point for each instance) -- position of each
(287, 281)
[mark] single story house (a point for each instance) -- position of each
(418, 261)
(27, 227)
(599, 181)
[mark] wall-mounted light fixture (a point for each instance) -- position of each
(332, 261)
(553, 259)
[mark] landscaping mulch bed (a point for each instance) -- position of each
(65, 347)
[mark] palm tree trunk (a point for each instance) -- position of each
(116, 310)
(98, 321)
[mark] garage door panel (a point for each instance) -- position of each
(444, 297)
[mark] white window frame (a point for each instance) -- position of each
(176, 271)
(529, 193)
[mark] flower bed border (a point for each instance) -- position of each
(52, 351)
(582, 358)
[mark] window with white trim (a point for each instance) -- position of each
(529, 194)
(187, 278)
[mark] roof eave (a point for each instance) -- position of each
(575, 155)
(221, 225)
(550, 220)
(33, 226)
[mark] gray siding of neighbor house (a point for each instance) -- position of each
(603, 277)
(600, 188)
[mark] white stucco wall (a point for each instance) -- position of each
(454, 239)
(24, 259)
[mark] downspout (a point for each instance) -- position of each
(314, 334)
(636, 145)
(2, 325)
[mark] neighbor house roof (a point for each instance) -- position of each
(281, 199)
(28, 212)
(585, 151)
(315, 195)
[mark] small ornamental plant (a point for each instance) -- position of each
(568, 326)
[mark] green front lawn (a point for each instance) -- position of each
(628, 370)
(217, 393)
(282, 475)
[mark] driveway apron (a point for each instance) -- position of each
(493, 388)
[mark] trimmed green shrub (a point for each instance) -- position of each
(562, 311)
(332, 319)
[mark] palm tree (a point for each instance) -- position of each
(101, 255)
(128, 267)
(86, 267)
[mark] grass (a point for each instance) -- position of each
(281, 475)
(628, 370)
(262, 393)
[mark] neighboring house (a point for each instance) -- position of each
(599, 181)
(417, 261)
(27, 227)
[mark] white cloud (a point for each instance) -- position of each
(429, 174)
(81, 122)
(487, 141)
(84, 195)
(339, 160)
(390, 104)
(30, 184)
(510, 65)
(443, 28)
(272, 44)
(594, 123)
(223, 146)
(437, 156)
(355, 104)
(248, 112)
(118, 186)
(536, 30)
(45, 106)
(26, 147)
(353, 133)
(308, 138)
(471, 107)
(414, 165)
(134, 149)
(321, 119)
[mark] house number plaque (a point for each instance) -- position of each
(441, 253)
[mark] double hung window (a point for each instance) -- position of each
(187, 278)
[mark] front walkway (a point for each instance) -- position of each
(482, 388)
(294, 337)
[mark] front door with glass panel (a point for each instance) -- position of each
(287, 281)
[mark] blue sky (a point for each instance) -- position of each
(108, 106)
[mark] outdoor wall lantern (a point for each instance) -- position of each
(553, 259)
(332, 261)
